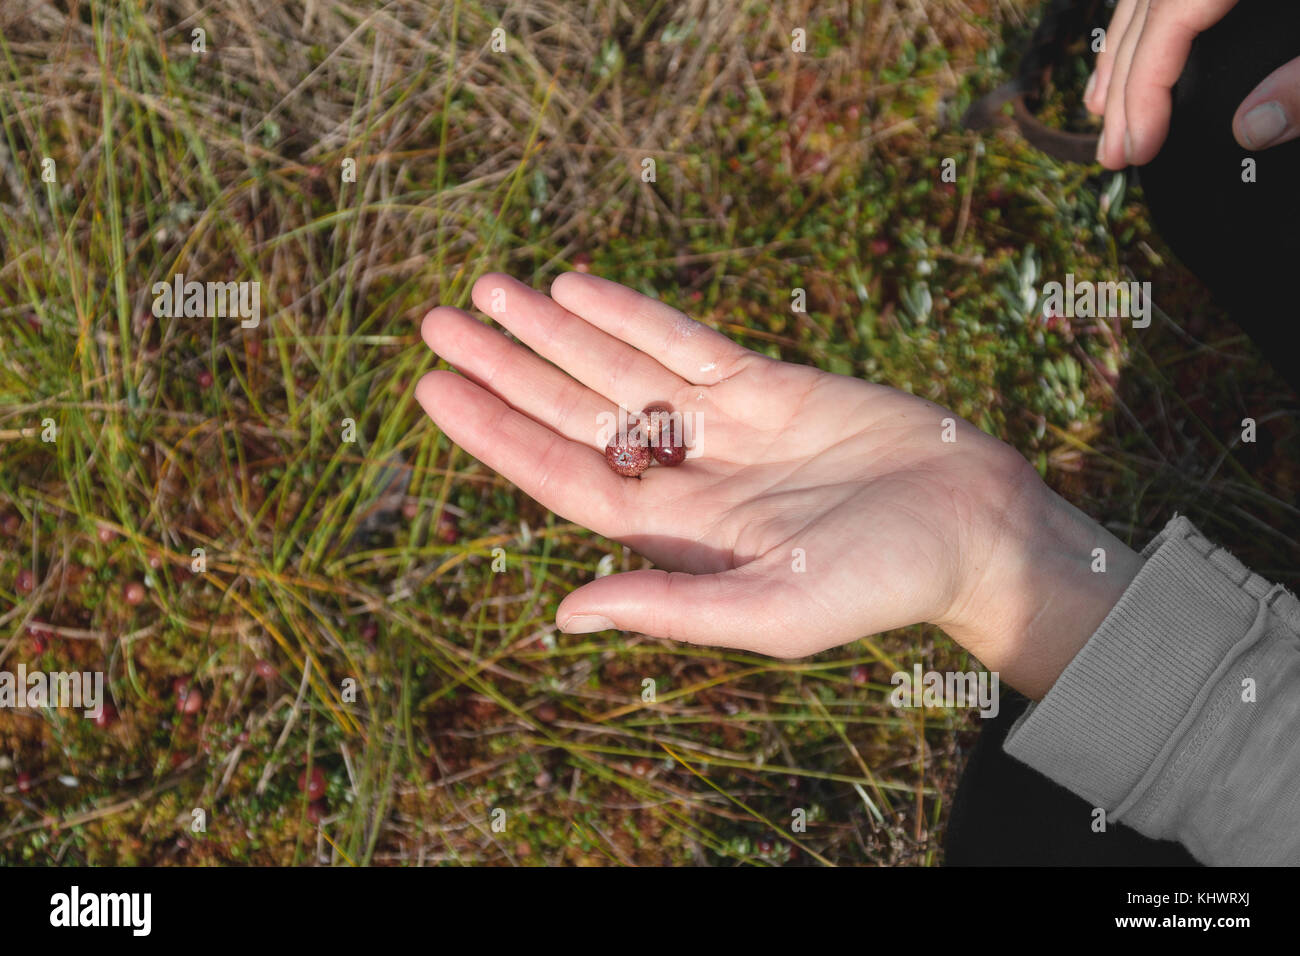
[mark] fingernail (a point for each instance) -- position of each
(1101, 145)
(1128, 147)
(586, 624)
(1264, 124)
(1092, 83)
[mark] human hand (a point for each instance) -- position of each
(895, 525)
(1147, 45)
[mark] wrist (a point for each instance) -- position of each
(1047, 586)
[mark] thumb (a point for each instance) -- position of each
(740, 608)
(1270, 115)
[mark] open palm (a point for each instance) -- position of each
(815, 508)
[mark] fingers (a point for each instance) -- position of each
(1099, 84)
(1270, 115)
(1111, 147)
(517, 376)
(737, 608)
(690, 349)
(601, 362)
(568, 478)
(1147, 45)
(1160, 56)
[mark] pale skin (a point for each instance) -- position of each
(796, 468)
(1147, 45)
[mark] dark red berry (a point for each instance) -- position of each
(765, 847)
(653, 421)
(205, 378)
(448, 528)
(316, 812)
(860, 674)
(107, 717)
(663, 429)
(669, 455)
(106, 534)
(12, 524)
(315, 787)
(189, 700)
(546, 712)
(133, 592)
(265, 670)
(24, 782)
(581, 262)
(24, 581)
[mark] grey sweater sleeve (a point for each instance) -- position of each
(1181, 715)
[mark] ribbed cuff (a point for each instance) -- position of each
(1118, 705)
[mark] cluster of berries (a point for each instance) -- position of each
(653, 434)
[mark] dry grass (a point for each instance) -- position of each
(371, 560)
